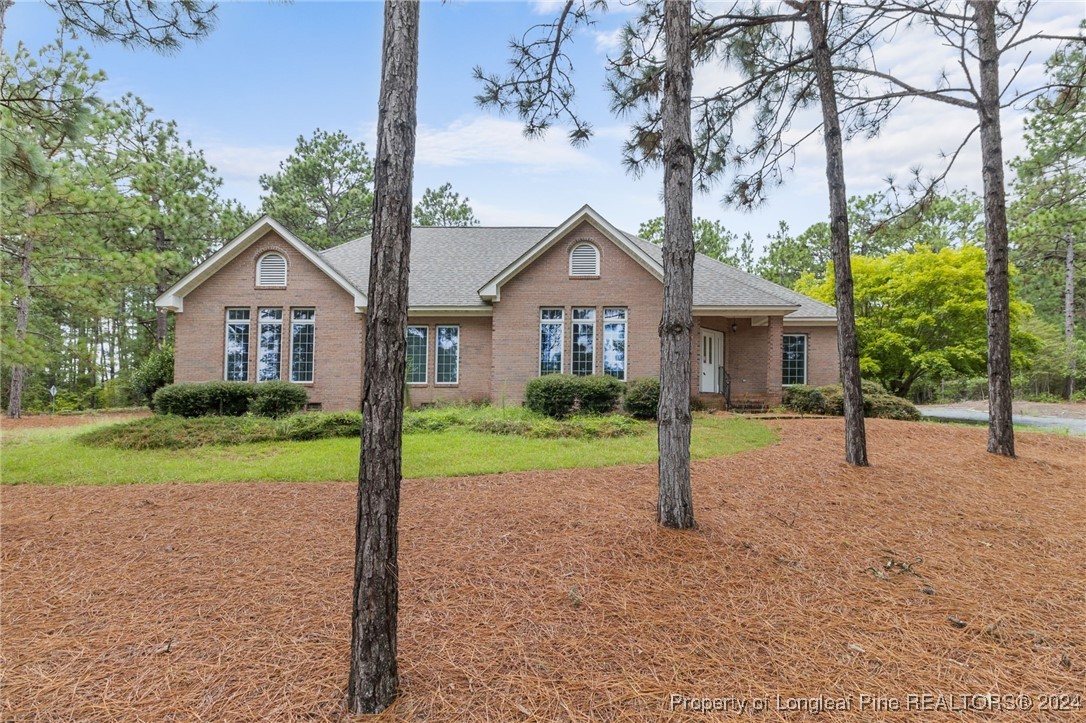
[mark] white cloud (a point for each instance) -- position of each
(481, 140)
(608, 41)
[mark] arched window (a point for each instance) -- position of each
(271, 270)
(584, 260)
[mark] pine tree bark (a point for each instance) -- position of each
(371, 686)
(161, 319)
(22, 323)
(1069, 313)
(847, 343)
(1000, 424)
(675, 507)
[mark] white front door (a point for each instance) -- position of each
(712, 359)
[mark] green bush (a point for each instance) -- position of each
(888, 406)
(804, 399)
(229, 399)
(277, 399)
(320, 425)
(643, 397)
(599, 394)
(870, 386)
(155, 372)
(831, 400)
(554, 395)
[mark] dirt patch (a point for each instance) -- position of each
(44, 421)
(1063, 410)
(554, 596)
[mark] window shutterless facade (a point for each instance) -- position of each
(614, 342)
(416, 354)
(583, 353)
(447, 355)
(303, 338)
(551, 323)
(269, 356)
(236, 366)
(794, 359)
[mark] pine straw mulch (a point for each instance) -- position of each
(554, 596)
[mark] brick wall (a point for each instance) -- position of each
(201, 330)
(823, 361)
(546, 283)
(475, 361)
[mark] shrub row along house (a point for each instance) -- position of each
(490, 308)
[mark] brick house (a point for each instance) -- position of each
(490, 308)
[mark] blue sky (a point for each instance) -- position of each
(272, 71)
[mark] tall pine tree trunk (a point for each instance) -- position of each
(1000, 425)
(847, 344)
(22, 322)
(1069, 313)
(675, 507)
(371, 686)
(161, 284)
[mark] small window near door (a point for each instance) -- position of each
(794, 359)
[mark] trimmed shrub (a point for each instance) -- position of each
(229, 399)
(643, 397)
(320, 425)
(277, 399)
(888, 406)
(804, 399)
(831, 400)
(870, 386)
(599, 394)
(554, 395)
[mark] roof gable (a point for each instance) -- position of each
(491, 290)
(173, 299)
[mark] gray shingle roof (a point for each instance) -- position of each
(450, 264)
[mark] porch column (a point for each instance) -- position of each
(695, 358)
(773, 368)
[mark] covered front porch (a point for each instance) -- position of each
(744, 362)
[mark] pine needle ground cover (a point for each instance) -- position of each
(552, 595)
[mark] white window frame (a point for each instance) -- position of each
(437, 355)
(425, 355)
(286, 269)
(312, 322)
(806, 359)
(595, 252)
(260, 324)
(248, 321)
(625, 321)
(561, 323)
(574, 323)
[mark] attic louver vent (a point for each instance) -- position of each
(271, 270)
(584, 260)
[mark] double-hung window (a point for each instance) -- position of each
(416, 354)
(614, 343)
(551, 323)
(237, 345)
(447, 360)
(302, 342)
(584, 341)
(271, 343)
(794, 359)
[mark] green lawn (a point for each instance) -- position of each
(53, 457)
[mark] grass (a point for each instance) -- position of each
(53, 457)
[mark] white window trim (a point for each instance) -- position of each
(312, 322)
(806, 360)
(226, 342)
(573, 336)
(426, 351)
(561, 339)
(260, 339)
(595, 250)
(437, 336)
(286, 269)
(625, 320)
